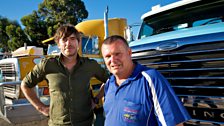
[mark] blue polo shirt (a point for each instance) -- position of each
(144, 99)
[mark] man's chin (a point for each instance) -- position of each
(70, 54)
(115, 72)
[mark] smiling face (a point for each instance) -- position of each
(69, 45)
(68, 40)
(117, 57)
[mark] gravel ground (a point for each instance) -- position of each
(34, 123)
(98, 122)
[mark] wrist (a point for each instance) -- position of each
(40, 107)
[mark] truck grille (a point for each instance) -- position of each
(8, 72)
(9, 75)
(196, 73)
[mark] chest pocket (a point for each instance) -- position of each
(131, 112)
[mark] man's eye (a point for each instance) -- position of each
(107, 57)
(117, 54)
(64, 39)
(72, 38)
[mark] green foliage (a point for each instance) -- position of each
(11, 35)
(3, 36)
(17, 37)
(40, 24)
(35, 28)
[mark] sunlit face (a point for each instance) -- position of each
(69, 45)
(117, 57)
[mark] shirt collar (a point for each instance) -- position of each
(79, 59)
(137, 70)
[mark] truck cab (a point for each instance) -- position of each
(185, 42)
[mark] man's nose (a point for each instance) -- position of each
(113, 58)
(68, 42)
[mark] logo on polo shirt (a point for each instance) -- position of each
(130, 114)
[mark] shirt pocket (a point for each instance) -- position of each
(131, 112)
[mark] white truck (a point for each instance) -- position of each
(185, 42)
(14, 107)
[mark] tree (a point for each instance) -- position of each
(35, 28)
(3, 36)
(42, 24)
(17, 37)
(11, 35)
(57, 12)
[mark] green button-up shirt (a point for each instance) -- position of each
(70, 94)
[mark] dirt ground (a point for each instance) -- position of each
(34, 123)
(98, 122)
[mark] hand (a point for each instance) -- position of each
(44, 110)
(181, 124)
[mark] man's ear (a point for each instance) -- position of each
(129, 51)
(80, 43)
(58, 45)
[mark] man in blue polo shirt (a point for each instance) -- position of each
(136, 95)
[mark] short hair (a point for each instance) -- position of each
(113, 38)
(65, 31)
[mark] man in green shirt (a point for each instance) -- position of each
(68, 76)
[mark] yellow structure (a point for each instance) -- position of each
(28, 51)
(27, 58)
(95, 28)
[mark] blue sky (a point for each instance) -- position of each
(132, 10)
